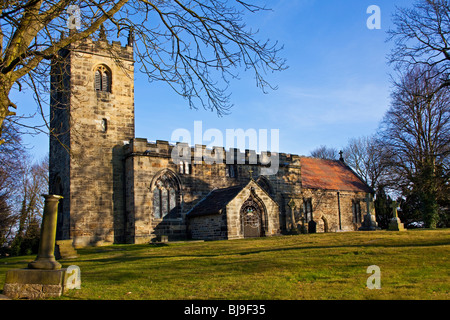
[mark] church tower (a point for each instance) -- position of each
(91, 118)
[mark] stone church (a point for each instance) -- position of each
(121, 189)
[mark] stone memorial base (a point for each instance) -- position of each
(34, 283)
(369, 223)
(64, 250)
(396, 225)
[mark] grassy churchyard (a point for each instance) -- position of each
(413, 265)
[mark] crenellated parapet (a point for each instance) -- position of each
(200, 154)
(104, 48)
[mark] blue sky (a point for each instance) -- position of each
(337, 85)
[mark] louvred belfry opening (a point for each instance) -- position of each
(102, 79)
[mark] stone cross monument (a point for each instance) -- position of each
(45, 259)
(370, 222)
(44, 276)
(395, 224)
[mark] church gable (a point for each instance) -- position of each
(235, 212)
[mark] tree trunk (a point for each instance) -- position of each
(5, 103)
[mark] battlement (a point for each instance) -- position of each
(100, 47)
(200, 153)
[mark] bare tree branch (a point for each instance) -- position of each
(194, 46)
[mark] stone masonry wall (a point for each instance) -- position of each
(332, 213)
(212, 227)
(95, 188)
(145, 160)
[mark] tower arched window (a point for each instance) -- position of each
(165, 197)
(102, 81)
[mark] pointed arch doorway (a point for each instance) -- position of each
(252, 219)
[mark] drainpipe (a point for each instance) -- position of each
(339, 210)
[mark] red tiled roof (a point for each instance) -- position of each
(330, 175)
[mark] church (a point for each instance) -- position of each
(117, 188)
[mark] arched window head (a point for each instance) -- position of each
(102, 81)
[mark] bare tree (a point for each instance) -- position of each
(324, 152)
(365, 156)
(422, 39)
(11, 154)
(194, 46)
(29, 205)
(415, 133)
(11, 168)
(7, 221)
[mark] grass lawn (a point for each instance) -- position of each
(413, 264)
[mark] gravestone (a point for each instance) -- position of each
(395, 224)
(370, 222)
(44, 276)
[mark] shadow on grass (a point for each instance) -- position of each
(129, 251)
(434, 244)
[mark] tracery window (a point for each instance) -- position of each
(165, 197)
(102, 81)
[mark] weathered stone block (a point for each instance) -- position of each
(34, 283)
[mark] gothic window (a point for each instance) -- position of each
(356, 209)
(165, 197)
(102, 81)
(164, 202)
(307, 209)
(157, 203)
